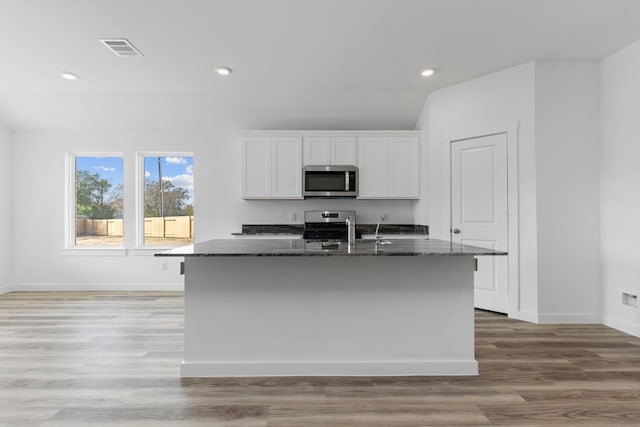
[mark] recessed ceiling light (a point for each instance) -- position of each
(223, 71)
(427, 72)
(69, 75)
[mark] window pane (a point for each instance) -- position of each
(168, 211)
(99, 201)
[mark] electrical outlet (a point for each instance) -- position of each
(163, 266)
(630, 299)
(292, 217)
(385, 216)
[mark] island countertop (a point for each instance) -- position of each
(300, 247)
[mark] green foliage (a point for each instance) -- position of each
(174, 200)
(96, 197)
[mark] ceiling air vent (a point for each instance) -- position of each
(121, 47)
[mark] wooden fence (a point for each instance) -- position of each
(99, 227)
(176, 227)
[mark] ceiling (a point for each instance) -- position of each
(297, 64)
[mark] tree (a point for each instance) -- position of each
(175, 199)
(96, 197)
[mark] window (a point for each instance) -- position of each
(96, 206)
(167, 202)
(95, 217)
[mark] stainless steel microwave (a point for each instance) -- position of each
(330, 182)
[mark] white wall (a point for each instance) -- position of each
(620, 186)
(39, 174)
(6, 194)
(39, 206)
(567, 102)
(499, 102)
(550, 109)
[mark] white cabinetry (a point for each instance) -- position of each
(388, 161)
(329, 150)
(256, 167)
(272, 167)
(404, 167)
(373, 167)
(389, 167)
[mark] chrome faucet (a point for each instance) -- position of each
(380, 219)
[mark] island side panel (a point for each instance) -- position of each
(333, 315)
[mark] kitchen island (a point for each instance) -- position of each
(276, 307)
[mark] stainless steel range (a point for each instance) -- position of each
(327, 226)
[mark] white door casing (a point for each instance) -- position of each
(479, 212)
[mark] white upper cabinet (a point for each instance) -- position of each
(272, 167)
(388, 161)
(373, 167)
(343, 150)
(316, 150)
(389, 167)
(404, 167)
(256, 167)
(329, 150)
(286, 167)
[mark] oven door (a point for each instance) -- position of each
(330, 181)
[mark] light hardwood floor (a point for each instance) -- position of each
(111, 358)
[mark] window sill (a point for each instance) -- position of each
(94, 251)
(148, 251)
(97, 251)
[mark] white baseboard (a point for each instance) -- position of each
(4, 289)
(622, 325)
(288, 368)
(525, 316)
(114, 286)
(546, 318)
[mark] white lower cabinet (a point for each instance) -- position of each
(272, 167)
(389, 167)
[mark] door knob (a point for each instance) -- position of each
(456, 231)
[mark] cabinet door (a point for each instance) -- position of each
(343, 150)
(325, 150)
(256, 167)
(317, 150)
(373, 153)
(404, 167)
(286, 173)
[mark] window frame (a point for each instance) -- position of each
(70, 247)
(140, 247)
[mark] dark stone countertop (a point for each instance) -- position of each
(299, 247)
(298, 229)
(268, 229)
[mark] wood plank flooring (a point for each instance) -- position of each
(112, 358)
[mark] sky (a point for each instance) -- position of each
(177, 170)
(107, 167)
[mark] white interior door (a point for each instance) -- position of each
(479, 212)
